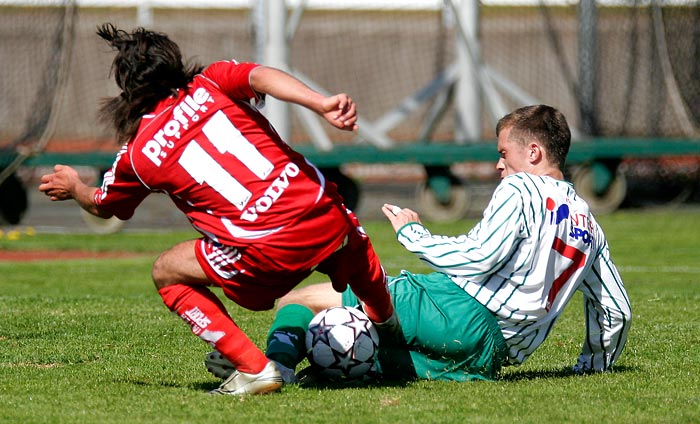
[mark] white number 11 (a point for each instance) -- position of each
(228, 140)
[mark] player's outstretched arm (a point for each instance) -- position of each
(339, 110)
(65, 184)
(399, 216)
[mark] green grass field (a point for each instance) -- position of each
(89, 341)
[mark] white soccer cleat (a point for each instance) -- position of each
(240, 383)
(222, 368)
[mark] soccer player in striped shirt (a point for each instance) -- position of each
(267, 217)
(498, 290)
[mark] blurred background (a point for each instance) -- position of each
(430, 78)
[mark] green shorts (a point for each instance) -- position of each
(450, 336)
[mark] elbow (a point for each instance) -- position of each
(259, 79)
(628, 319)
(100, 213)
(626, 314)
(621, 318)
(104, 215)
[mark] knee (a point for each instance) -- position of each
(315, 297)
(178, 265)
(159, 273)
(293, 297)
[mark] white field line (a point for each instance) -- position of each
(680, 269)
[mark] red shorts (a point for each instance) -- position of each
(255, 280)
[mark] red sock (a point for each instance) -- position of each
(208, 319)
(375, 297)
(379, 309)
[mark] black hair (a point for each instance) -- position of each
(148, 68)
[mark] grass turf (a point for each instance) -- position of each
(89, 341)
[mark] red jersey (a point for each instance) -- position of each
(225, 167)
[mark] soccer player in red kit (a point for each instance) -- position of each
(267, 216)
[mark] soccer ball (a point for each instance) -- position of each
(341, 344)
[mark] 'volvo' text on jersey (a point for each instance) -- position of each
(273, 192)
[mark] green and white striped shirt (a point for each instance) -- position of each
(536, 244)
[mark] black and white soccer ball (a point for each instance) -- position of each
(342, 344)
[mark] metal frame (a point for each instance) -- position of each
(473, 82)
(468, 82)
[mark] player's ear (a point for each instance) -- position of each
(535, 153)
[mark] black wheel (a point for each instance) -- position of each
(667, 182)
(604, 189)
(443, 197)
(347, 187)
(13, 200)
(435, 209)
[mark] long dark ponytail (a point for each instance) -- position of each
(148, 68)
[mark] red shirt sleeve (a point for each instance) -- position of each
(233, 79)
(121, 190)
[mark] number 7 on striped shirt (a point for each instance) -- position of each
(578, 258)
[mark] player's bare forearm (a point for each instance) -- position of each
(339, 110)
(65, 184)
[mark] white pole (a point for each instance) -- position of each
(468, 91)
(144, 14)
(276, 56)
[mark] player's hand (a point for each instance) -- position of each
(61, 184)
(340, 111)
(399, 216)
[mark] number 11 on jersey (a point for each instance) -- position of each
(221, 133)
